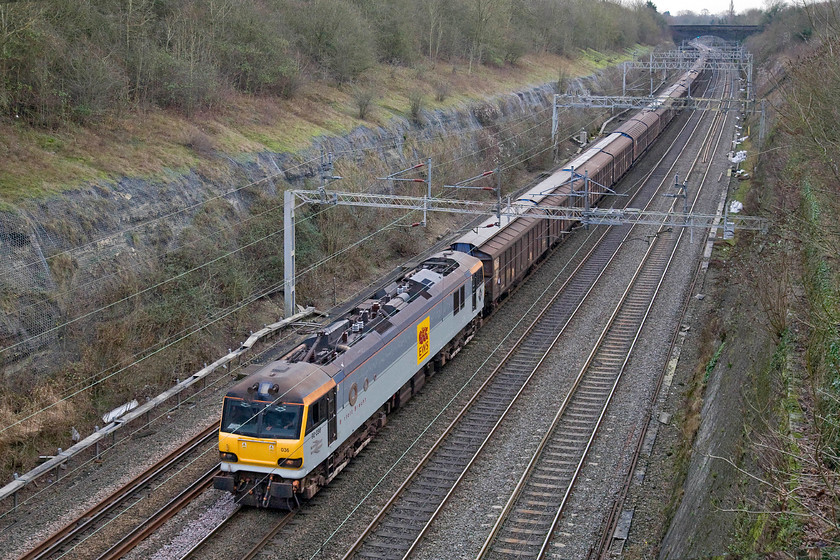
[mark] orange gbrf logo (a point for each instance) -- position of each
(424, 344)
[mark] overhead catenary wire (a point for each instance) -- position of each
(225, 255)
(464, 386)
(453, 398)
(428, 426)
(227, 312)
(514, 164)
(195, 241)
(338, 253)
(387, 142)
(383, 144)
(243, 304)
(199, 267)
(246, 301)
(139, 292)
(103, 376)
(129, 436)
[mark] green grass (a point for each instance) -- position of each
(41, 163)
(762, 532)
(710, 366)
(600, 60)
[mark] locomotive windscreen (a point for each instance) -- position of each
(262, 419)
(463, 248)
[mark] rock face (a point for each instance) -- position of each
(58, 255)
(29, 317)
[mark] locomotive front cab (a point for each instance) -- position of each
(261, 435)
(258, 434)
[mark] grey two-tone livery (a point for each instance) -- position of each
(289, 428)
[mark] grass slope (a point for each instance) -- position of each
(38, 163)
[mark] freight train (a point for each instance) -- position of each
(289, 427)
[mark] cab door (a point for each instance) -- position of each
(332, 422)
(477, 280)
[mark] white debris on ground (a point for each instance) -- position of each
(194, 531)
(738, 157)
(735, 207)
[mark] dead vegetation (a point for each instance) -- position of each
(793, 274)
(165, 299)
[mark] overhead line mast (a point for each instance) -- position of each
(586, 216)
(727, 59)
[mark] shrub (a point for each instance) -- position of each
(442, 89)
(415, 104)
(93, 84)
(254, 54)
(335, 35)
(363, 98)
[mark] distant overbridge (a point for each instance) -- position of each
(727, 32)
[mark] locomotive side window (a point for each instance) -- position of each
(317, 414)
(456, 302)
(459, 299)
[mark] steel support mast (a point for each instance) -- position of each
(587, 216)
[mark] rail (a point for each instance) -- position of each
(457, 448)
(193, 551)
(561, 454)
(611, 537)
(492, 400)
(252, 551)
(160, 517)
(53, 464)
(61, 540)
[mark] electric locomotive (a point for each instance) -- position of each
(293, 425)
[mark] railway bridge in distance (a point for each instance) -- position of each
(727, 32)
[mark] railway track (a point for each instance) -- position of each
(508, 383)
(58, 544)
(528, 521)
(118, 501)
(441, 469)
(398, 528)
(607, 541)
(161, 516)
(250, 552)
(530, 516)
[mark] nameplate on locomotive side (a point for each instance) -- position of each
(424, 345)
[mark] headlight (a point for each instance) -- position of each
(290, 463)
(229, 457)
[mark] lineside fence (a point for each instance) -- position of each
(139, 416)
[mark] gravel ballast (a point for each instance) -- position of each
(328, 524)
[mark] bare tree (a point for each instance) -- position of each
(485, 17)
(435, 13)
